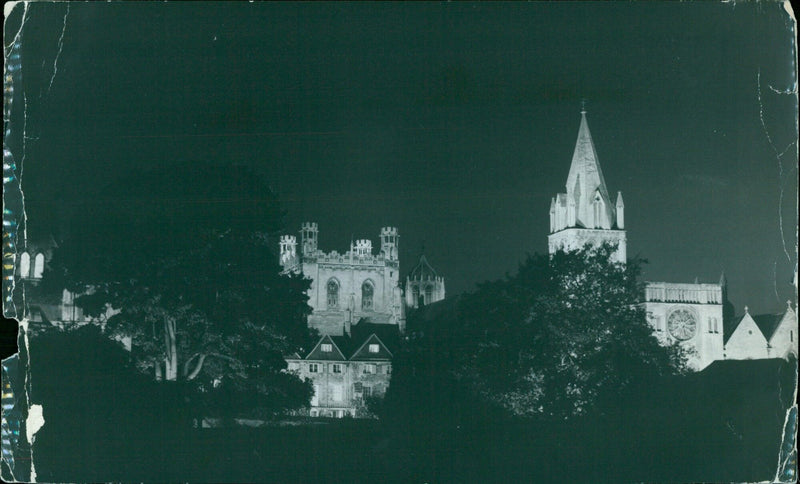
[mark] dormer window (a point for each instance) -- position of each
(373, 348)
(327, 347)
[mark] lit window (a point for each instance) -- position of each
(327, 347)
(313, 368)
(24, 265)
(38, 266)
(369, 369)
(336, 368)
(373, 348)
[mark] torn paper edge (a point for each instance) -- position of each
(16, 381)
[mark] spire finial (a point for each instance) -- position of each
(583, 106)
(747, 310)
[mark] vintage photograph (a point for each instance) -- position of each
(435, 242)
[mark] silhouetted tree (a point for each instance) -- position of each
(558, 339)
(179, 260)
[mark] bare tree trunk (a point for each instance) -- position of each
(196, 371)
(158, 370)
(171, 360)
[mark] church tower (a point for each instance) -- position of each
(586, 213)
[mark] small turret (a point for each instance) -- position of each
(308, 235)
(288, 256)
(390, 243)
(363, 247)
(620, 212)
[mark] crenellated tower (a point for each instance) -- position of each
(585, 214)
(288, 257)
(390, 243)
(309, 232)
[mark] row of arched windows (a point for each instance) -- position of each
(25, 266)
(428, 294)
(367, 295)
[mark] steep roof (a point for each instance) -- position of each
(334, 355)
(768, 323)
(363, 353)
(585, 181)
(728, 329)
(423, 270)
(585, 167)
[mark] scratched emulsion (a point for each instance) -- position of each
(787, 454)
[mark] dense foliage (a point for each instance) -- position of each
(180, 260)
(564, 336)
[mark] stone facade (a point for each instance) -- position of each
(344, 375)
(349, 287)
(762, 336)
(690, 315)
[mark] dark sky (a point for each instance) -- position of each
(454, 122)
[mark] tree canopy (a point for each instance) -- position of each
(561, 337)
(180, 259)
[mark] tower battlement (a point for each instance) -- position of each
(363, 247)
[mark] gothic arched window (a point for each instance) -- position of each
(366, 296)
(38, 265)
(25, 265)
(333, 294)
(415, 295)
(428, 294)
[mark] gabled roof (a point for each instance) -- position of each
(741, 325)
(363, 353)
(728, 329)
(768, 323)
(389, 334)
(334, 355)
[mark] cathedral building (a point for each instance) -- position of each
(694, 315)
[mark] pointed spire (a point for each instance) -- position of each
(723, 281)
(586, 177)
(620, 203)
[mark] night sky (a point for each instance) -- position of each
(453, 122)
